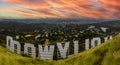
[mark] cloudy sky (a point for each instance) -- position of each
(101, 9)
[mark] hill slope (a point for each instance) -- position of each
(9, 58)
(106, 54)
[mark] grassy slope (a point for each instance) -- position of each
(9, 58)
(105, 54)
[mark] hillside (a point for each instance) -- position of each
(106, 54)
(9, 58)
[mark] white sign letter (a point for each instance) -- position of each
(9, 41)
(87, 42)
(63, 51)
(15, 45)
(76, 49)
(107, 38)
(33, 49)
(46, 53)
(95, 41)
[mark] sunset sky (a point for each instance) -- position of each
(100, 9)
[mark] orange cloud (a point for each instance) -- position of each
(70, 8)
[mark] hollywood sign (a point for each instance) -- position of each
(47, 51)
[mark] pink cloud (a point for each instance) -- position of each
(70, 8)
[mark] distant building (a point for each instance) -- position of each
(104, 29)
(91, 27)
(36, 37)
(29, 35)
(17, 37)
